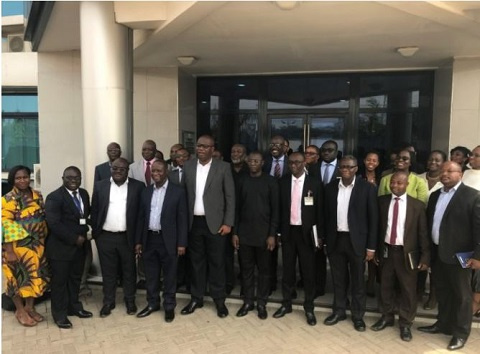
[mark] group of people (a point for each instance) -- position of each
(183, 218)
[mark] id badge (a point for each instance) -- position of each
(82, 221)
(308, 201)
(385, 252)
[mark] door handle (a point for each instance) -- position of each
(308, 136)
(304, 135)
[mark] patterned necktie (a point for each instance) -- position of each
(295, 204)
(77, 202)
(393, 233)
(277, 173)
(148, 174)
(326, 175)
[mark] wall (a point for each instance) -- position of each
(60, 116)
(19, 69)
(465, 113)
(155, 108)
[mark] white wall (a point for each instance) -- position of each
(465, 113)
(60, 116)
(155, 109)
(19, 69)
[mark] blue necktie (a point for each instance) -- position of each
(77, 202)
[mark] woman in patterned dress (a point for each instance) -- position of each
(24, 230)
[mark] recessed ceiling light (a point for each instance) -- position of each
(407, 51)
(241, 85)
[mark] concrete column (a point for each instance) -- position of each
(107, 84)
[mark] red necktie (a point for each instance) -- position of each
(148, 174)
(277, 173)
(393, 233)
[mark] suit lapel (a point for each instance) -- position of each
(451, 204)
(211, 174)
(408, 219)
(69, 200)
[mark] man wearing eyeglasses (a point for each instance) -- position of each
(351, 219)
(328, 168)
(211, 203)
(115, 203)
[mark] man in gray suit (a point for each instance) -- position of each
(142, 170)
(211, 202)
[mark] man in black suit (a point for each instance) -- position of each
(351, 219)
(67, 210)
(453, 215)
(176, 175)
(172, 161)
(102, 171)
(329, 166)
(256, 225)
(403, 230)
(161, 237)
(211, 204)
(301, 210)
(276, 165)
(115, 204)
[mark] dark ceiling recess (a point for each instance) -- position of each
(37, 22)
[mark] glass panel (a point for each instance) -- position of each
(372, 133)
(249, 131)
(19, 103)
(308, 92)
(19, 142)
(327, 128)
(290, 128)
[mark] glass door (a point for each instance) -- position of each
(308, 129)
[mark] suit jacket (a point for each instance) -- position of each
(311, 214)
(137, 172)
(102, 171)
(173, 176)
(218, 196)
(362, 216)
(415, 237)
(460, 225)
(101, 201)
(63, 219)
(267, 166)
(173, 218)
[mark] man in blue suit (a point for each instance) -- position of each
(161, 237)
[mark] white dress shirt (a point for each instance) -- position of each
(116, 219)
(202, 174)
(343, 201)
(79, 198)
(300, 181)
(402, 214)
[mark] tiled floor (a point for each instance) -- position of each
(204, 332)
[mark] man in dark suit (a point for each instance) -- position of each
(176, 175)
(67, 210)
(115, 204)
(172, 161)
(161, 237)
(403, 230)
(351, 219)
(329, 164)
(276, 165)
(211, 203)
(102, 171)
(301, 210)
(453, 216)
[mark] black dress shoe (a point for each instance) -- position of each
(282, 311)
(106, 310)
(169, 315)
(64, 324)
(191, 307)
(81, 314)
(381, 324)
(244, 310)
(311, 319)
(147, 311)
(456, 343)
(131, 308)
(222, 311)
(262, 312)
(405, 334)
(433, 329)
(359, 325)
(333, 319)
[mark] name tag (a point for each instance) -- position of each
(82, 221)
(308, 201)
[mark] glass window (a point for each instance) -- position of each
(20, 143)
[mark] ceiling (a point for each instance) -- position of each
(236, 37)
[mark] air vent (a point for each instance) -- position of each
(16, 43)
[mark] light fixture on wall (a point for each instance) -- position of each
(287, 5)
(407, 51)
(187, 60)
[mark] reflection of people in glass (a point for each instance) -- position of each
(24, 230)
